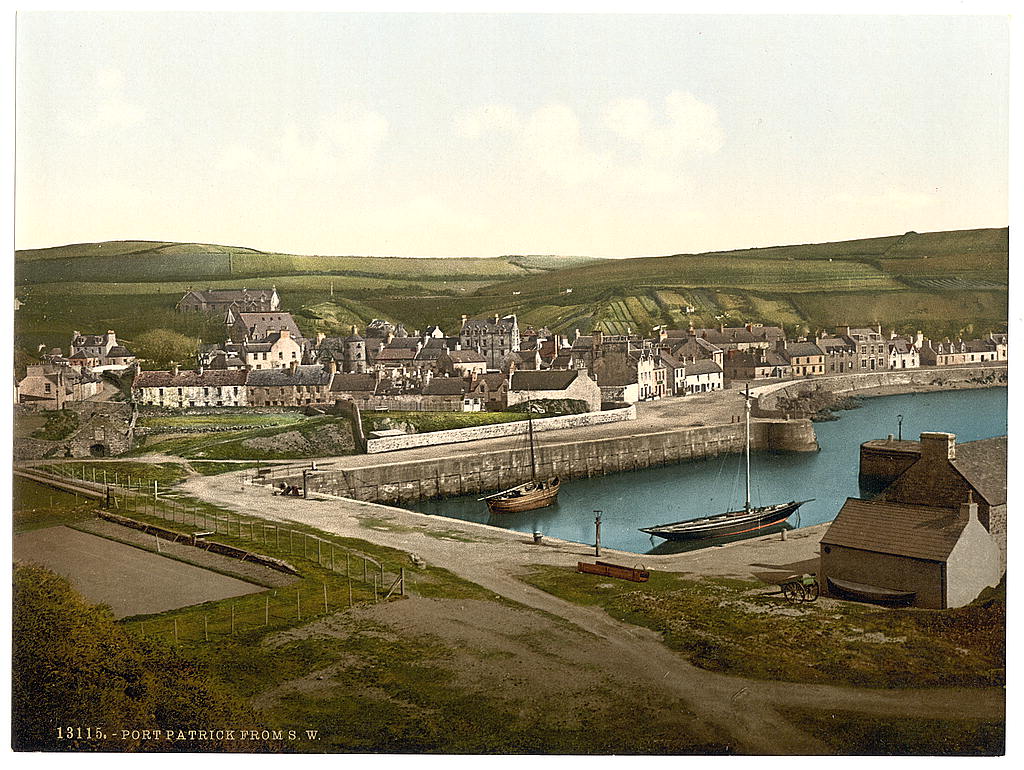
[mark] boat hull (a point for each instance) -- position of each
(525, 497)
(726, 524)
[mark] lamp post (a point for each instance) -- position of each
(597, 530)
(899, 423)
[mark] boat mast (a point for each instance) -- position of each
(533, 460)
(746, 403)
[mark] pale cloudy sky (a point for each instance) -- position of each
(496, 134)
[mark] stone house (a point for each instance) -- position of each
(255, 327)
(703, 376)
(348, 353)
(493, 337)
(178, 389)
(277, 350)
(675, 373)
(94, 351)
(805, 358)
(449, 394)
(694, 348)
(745, 365)
(573, 384)
(491, 390)
(53, 385)
(462, 363)
(903, 354)
(296, 385)
(236, 301)
(946, 475)
(872, 350)
(747, 337)
(941, 556)
(840, 354)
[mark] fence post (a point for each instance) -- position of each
(175, 630)
(325, 598)
(332, 557)
(232, 619)
(348, 572)
(318, 551)
(266, 611)
(298, 604)
(206, 628)
(382, 576)
(402, 578)
(374, 587)
(350, 593)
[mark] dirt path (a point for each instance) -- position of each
(750, 712)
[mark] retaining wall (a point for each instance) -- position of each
(480, 472)
(934, 378)
(498, 430)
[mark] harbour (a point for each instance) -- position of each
(646, 497)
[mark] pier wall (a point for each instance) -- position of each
(484, 472)
(910, 380)
(498, 430)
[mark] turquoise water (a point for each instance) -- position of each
(644, 498)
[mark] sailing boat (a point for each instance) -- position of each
(750, 520)
(533, 494)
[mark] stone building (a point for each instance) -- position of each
(296, 385)
(928, 556)
(253, 327)
(94, 351)
(872, 348)
(54, 385)
(903, 354)
(178, 389)
(805, 358)
(554, 384)
(235, 301)
(493, 337)
(702, 376)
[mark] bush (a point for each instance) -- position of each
(163, 347)
(59, 425)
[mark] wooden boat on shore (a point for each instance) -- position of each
(867, 593)
(533, 494)
(750, 520)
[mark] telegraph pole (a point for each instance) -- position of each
(597, 531)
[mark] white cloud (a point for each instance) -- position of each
(335, 146)
(477, 122)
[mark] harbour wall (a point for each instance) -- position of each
(906, 380)
(497, 430)
(469, 472)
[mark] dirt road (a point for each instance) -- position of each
(748, 715)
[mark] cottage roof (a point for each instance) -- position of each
(308, 374)
(191, 378)
(119, 351)
(445, 386)
(354, 383)
(259, 324)
(493, 380)
(703, 366)
(983, 465)
(233, 295)
(466, 357)
(901, 346)
(835, 344)
(488, 326)
(430, 354)
(670, 360)
(802, 349)
(915, 531)
(549, 379)
(396, 354)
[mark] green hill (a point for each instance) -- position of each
(939, 282)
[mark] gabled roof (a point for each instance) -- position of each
(446, 386)
(550, 379)
(307, 374)
(802, 349)
(915, 531)
(396, 354)
(259, 324)
(983, 464)
(466, 357)
(191, 378)
(119, 351)
(703, 366)
(354, 383)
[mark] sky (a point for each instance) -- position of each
(490, 134)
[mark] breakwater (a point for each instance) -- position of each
(465, 472)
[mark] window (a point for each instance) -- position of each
(47, 388)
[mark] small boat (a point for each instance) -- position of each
(750, 520)
(533, 494)
(867, 593)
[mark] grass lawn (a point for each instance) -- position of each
(426, 422)
(169, 423)
(727, 625)
(117, 472)
(37, 506)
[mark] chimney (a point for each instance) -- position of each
(293, 367)
(919, 340)
(174, 371)
(199, 371)
(285, 333)
(320, 337)
(938, 447)
(332, 366)
(878, 328)
(969, 509)
(464, 319)
(598, 338)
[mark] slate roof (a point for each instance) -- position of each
(403, 343)
(446, 386)
(466, 357)
(828, 344)
(802, 349)
(703, 366)
(308, 374)
(916, 531)
(354, 383)
(213, 378)
(396, 354)
(550, 379)
(983, 464)
(901, 345)
(670, 360)
(259, 324)
(119, 351)
(232, 295)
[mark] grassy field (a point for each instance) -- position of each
(726, 625)
(37, 506)
(425, 422)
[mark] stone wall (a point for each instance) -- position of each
(105, 428)
(498, 430)
(465, 473)
(909, 379)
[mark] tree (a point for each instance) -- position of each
(74, 666)
(162, 347)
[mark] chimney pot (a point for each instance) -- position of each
(938, 446)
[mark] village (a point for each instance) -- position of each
(487, 364)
